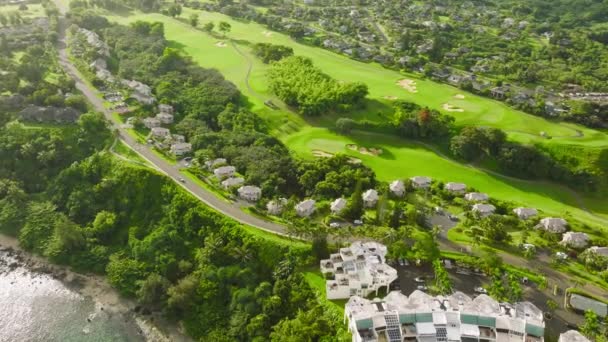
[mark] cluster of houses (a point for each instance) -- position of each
(226, 175)
(176, 143)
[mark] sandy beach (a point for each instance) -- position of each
(151, 325)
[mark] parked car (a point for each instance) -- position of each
(419, 279)
(188, 159)
(454, 218)
(481, 290)
(422, 287)
(401, 262)
(358, 222)
(182, 180)
(334, 225)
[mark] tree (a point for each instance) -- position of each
(153, 290)
(208, 27)
(271, 52)
(345, 125)
(193, 20)
(125, 273)
(354, 208)
(442, 278)
(591, 326)
(319, 247)
(224, 27)
(175, 10)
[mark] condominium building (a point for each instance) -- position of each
(358, 270)
(455, 318)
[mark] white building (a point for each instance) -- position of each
(224, 172)
(165, 109)
(476, 197)
(525, 213)
(305, 208)
(484, 209)
(358, 270)
(455, 188)
(575, 239)
(151, 122)
(338, 205)
(250, 193)
(421, 182)
(572, 336)
(160, 132)
(165, 118)
(397, 188)
(232, 182)
(178, 138)
(139, 91)
(179, 149)
(553, 224)
(600, 251)
(457, 317)
(211, 164)
(275, 207)
(370, 198)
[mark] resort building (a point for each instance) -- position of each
(423, 318)
(525, 213)
(250, 193)
(358, 270)
(224, 172)
(476, 197)
(553, 225)
(232, 182)
(370, 198)
(305, 208)
(165, 109)
(338, 205)
(456, 188)
(575, 240)
(179, 149)
(572, 336)
(151, 122)
(211, 164)
(600, 251)
(484, 209)
(160, 132)
(397, 188)
(275, 207)
(165, 118)
(421, 182)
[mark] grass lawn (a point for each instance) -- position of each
(128, 153)
(33, 10)
(401, 159)
(317, 282)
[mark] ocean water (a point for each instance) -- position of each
(37, 308)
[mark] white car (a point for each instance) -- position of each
(358, 222)
(334, 225)
(481, 290)
(419, 279)
(422, 287)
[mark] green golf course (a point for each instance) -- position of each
(232, 56)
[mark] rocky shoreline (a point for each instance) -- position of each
(150, 325)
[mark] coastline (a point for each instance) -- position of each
(151, 325)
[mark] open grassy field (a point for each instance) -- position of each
(401, 158)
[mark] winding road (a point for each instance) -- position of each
(232, 210)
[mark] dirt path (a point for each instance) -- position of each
(248, 73)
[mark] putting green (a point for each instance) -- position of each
(401, 159)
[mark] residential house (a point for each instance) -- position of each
(421, 182)
(179, 149)
(305, 208)
(159, 132)
(165, 118)
(338, 205)
(370, 198)
(525, 213)
(224, 172)
(250, 193)
(151, 122)
(476, 197)
(178, 138)
(140, 92)
(232, 182)
(397, 188)
(457, 317)
(275, 207)
(553, 225)
(575, 240)
(211, 164)
(484, 209)
(358, 270)
(499, 92)
(455, 188)
(572, 336)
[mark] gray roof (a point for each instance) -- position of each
(585, 303)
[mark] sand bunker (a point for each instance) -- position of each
(267, 33)
(409, 85)
(392, 98)
(459, 97)
(323, 154)
(221, 44)
(450, 108)
(364, 150)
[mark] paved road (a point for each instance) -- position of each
(232, 210)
